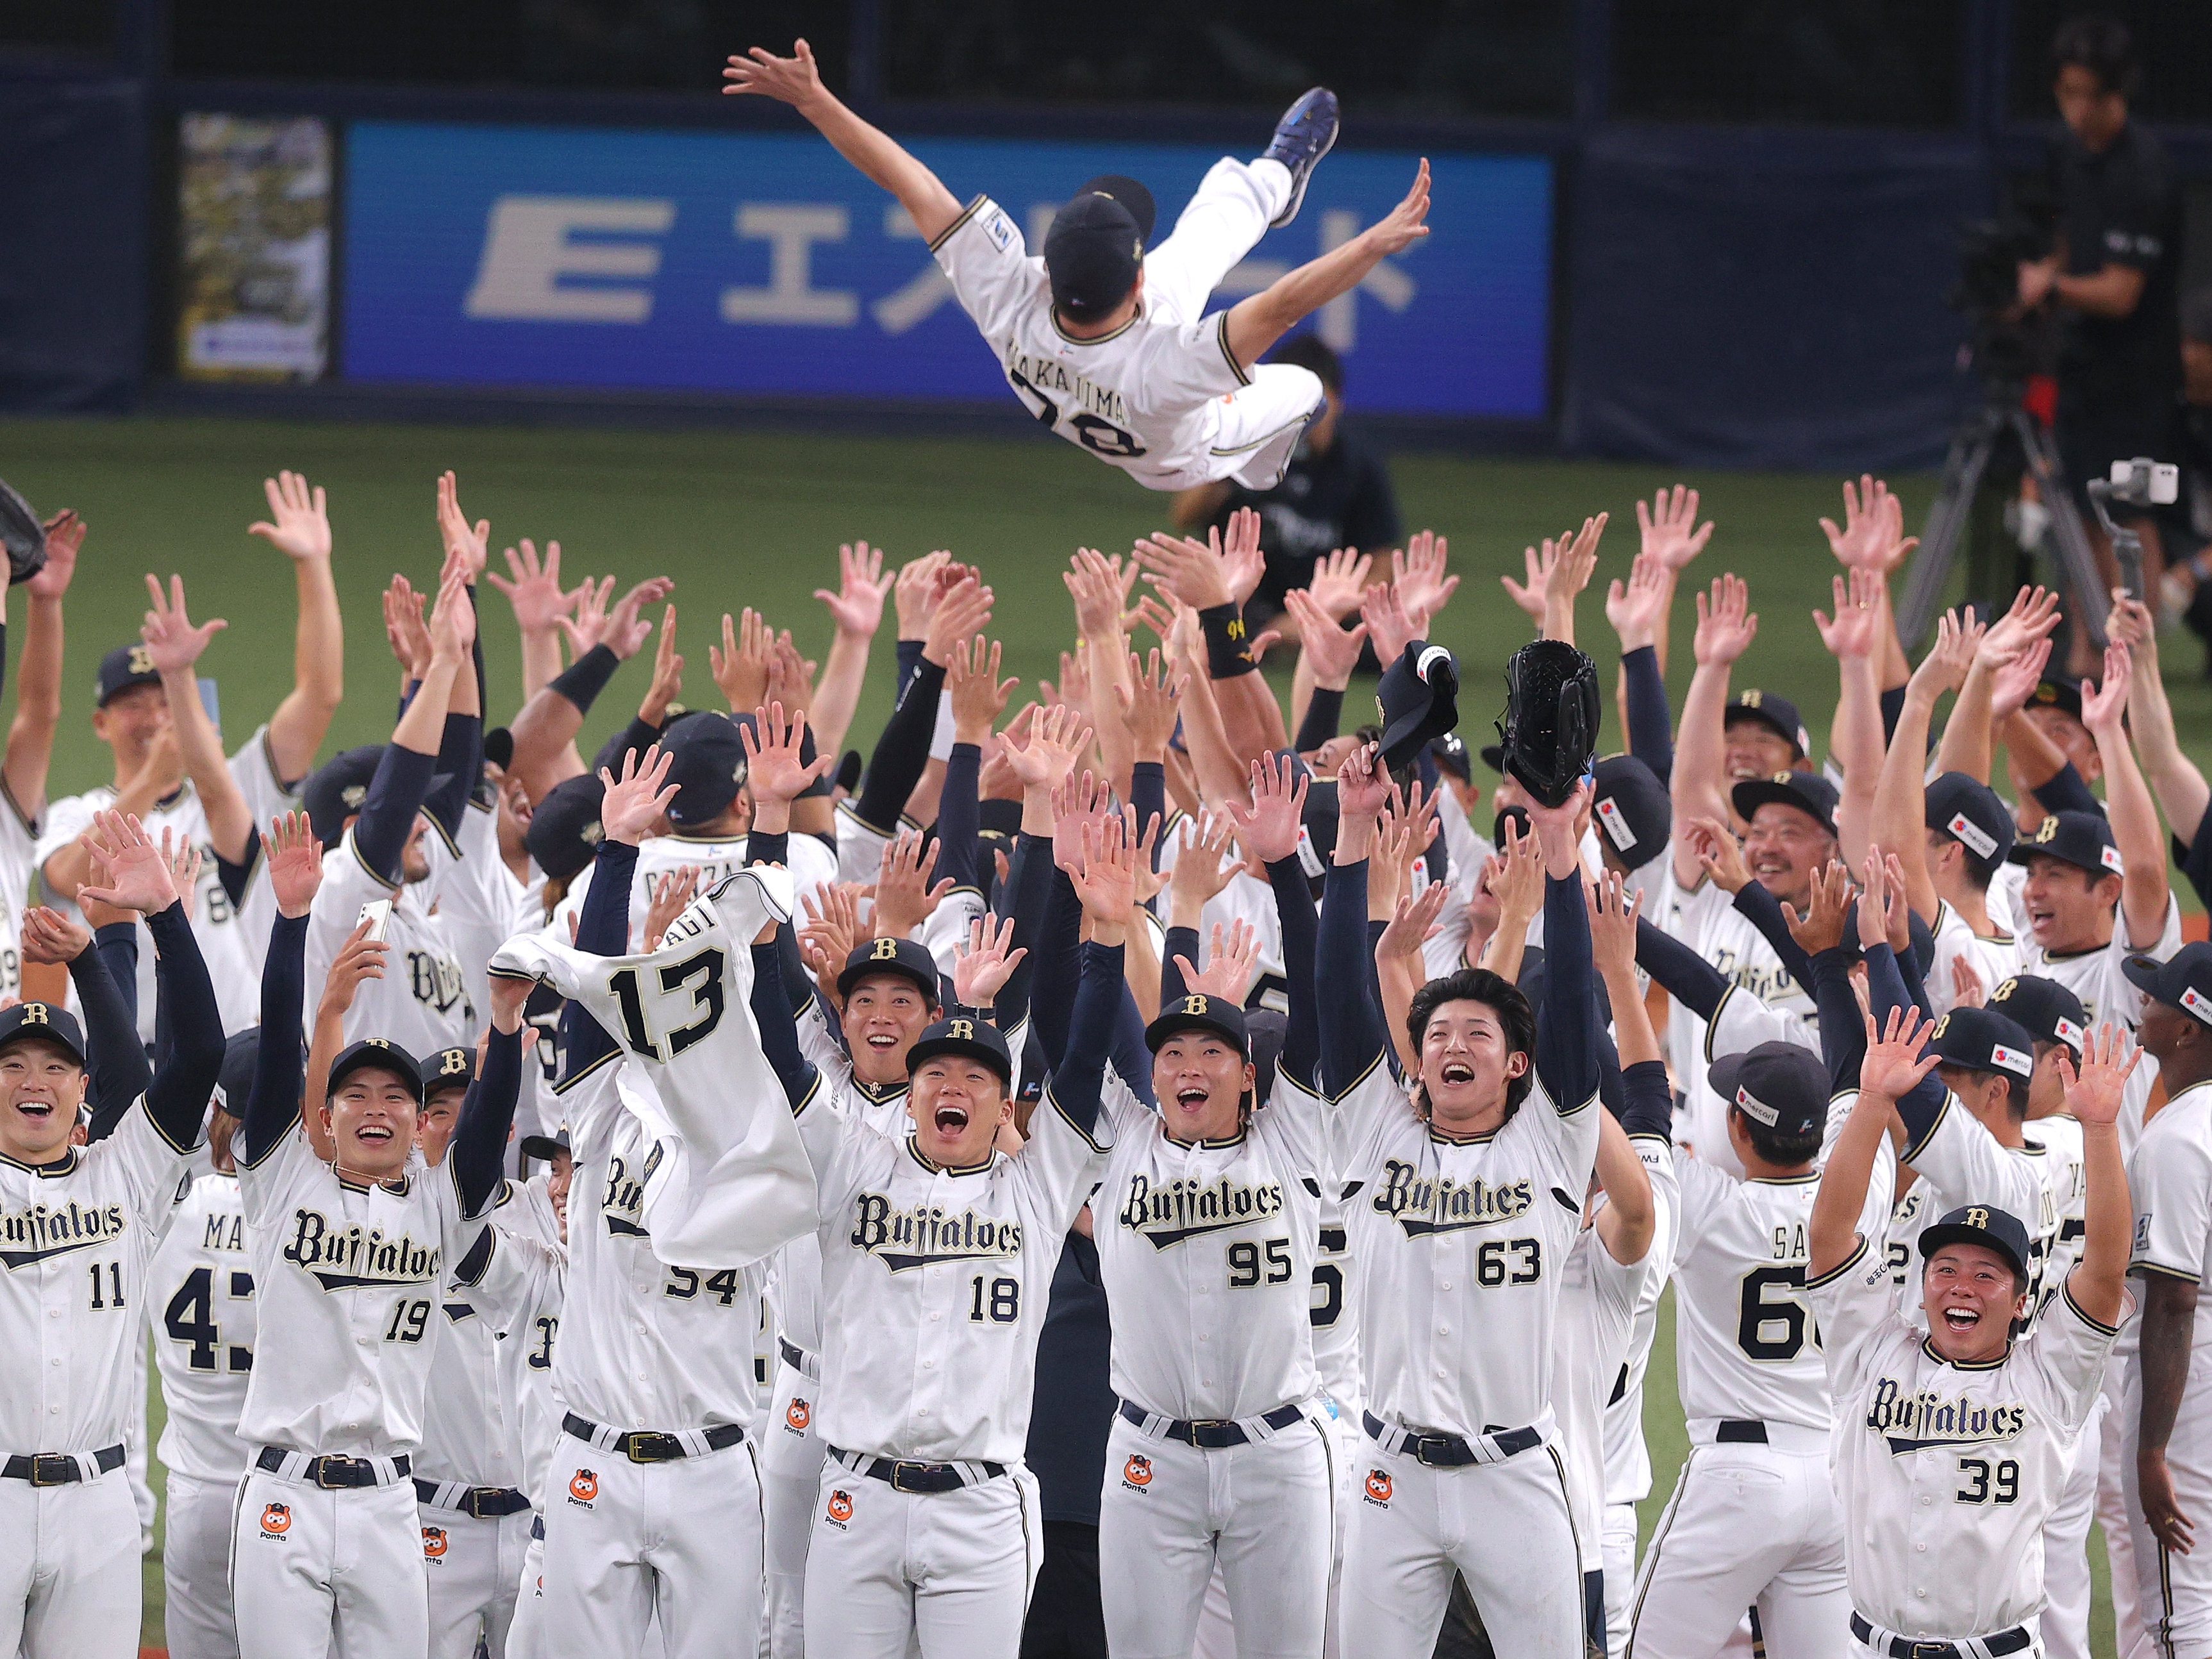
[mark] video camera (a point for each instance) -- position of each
(2140, 482)
(1990, 253)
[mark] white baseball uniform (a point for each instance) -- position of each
(1464, 1241)
(935, 1283)
(2097, 978)
(2065, 1622)
(77, 1239)
(2170, 1178)
(234, 937)
(1948, 1473)
(1163, 398)
(18, 840)
(1627, 1460)
(483, 906)
(422, 1003)
(1212, 1244)
(347, 1275)
(812, 864)
(1754, 1520)
(200, 1297)
(1960, 1161)
(1995, 956)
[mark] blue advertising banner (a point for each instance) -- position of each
(764, 263)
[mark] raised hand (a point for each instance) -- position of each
(64, 537)
(636, 801)
(1822, 927)
(794, 80)
(1363, 787)
(1967, 990)
(904, 898)
(1056, 737)
(359, 958)
(1726, 625)
(913, 590)
(857, 606)
(171, 639)
(2013, 684)
(1413, 922)
(1242, 561)
(52, 938)
(1721, 855)
(2105, 705)
(1404, 224)
(1332, 652)
(404, 629)
(790, 677)
(184, 861)
(1204, 866)
(667, 673)
(979, 695)
(295, 862)
(1188, 572)
(1417, 574)
(627, 629)
(299, 522)
(1636, 608)
(1958, 639)
(1530, 595)
(467, 546)
(1085, 804)
(1873, 902)
(1389, 623)
(533, 587)
(135, 875)
(1612, 913)
(1873, 536)
(1106, 877)
(669, 895)
(1099, 591)
(1891, 1066)
(1150, 700)
(1229, 963)
(773, 771)
(1670, 530)
(2032, 617)
(1566, 575)
(1268, 826)
(963, 611)
(831, 933)
(1339, 580)
(740, 666)
(983, 966)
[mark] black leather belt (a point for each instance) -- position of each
(484, 1503)
(331, 1472)
(57, 1468)
(646, 1446)
(1903, 1647)
(1740, 1431)
(538, 1528)
(915, 1477)
(1449, 1451)
(1212, 1433)
(793, 1355)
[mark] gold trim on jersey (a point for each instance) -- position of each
(2148, 1266)
(1921, 1145)
(1089, 1139)
(1202, 1145)
(1857, 1255)
(966, 214)
(1928, 1347)
(376, 876)
(1135, 317)
(914, 1151)
(2084, 1314)
(65, 1164)
(30, 824)
(1781, 1181)
(1262, 442)
(575, 1078)
(1221, 334)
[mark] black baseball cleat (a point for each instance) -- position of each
(1303, 137)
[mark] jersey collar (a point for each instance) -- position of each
(1781, 1181)
(914, 1151)
(1243, 1133)
(1136, 317)
(1928, 1347)
(53, 1170)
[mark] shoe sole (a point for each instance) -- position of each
(1299, 181)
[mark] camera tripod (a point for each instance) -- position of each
(1973, 447)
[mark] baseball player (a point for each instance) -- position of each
(391, 844)
(531, 1302)
(352, 1238)
(1951, 1445)
(30, 744)
(200, 1298)
(168, 755)
(2165, 1465)
(938, 1254)
(1458, 1229)
(1752, 1520)
(77, 1231)
(1107, 345)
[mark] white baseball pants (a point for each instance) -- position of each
(69, 1568)
(472, 1569)
(950, 1571)
(2174, 1592)
(1619, 1555)
(1506, 1528)
(626, 1543)
(2116, 1451)
(304, 1560)
(196, 1569)
(524, 1634)
(1168, 1511)
(1748, 1526)
(791, 1483)
(2065, 1618)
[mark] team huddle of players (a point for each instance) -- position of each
(615, 1207)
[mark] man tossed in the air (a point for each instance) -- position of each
(1103, 338)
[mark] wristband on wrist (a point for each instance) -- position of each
(1227, 641)
(582, 681)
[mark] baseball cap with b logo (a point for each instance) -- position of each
(909, 958)
(122, 668)
(1984, 1225)
(2082, 838)
(46, 1020)
(973, 1039)
(2043, 1008)
(2183, 981)
(1983, 1040)
(1195, 1013)
(1971, 813)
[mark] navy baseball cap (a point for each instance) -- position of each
(565, 832)
(449, 1069)
(1783, 1085)
(46, 1020)
(1631, 809)
(1984, 1040)
(1198, 1012)
(2083, 839)
(1973, 815)
(1516, 816)
(498, 747)
(1984, 1225)
(2184, 981)
(909, 958)
(1416, 700)
(1450, 753)
(1095, 246)
(241, 1052)
(121, 669)
(544, 1147)
(1808, 791)
(2043, 1008)
(375, 1052)
(976, 1039)
(1776, 713)
(335, 790)
(2059, 691)
(1318, 828)
(707, 766)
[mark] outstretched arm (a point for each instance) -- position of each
(1254, 324)
(797, 81)
(2145, 894)
(38, 675)
(299, 527)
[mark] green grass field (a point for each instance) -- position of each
(742, 518)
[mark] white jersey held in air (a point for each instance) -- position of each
(1948, 1473)
(1462, 1241)
(77, 1237)
(730, 1178)
(812, 866)
(935, 1283)
(347, 1275)
(421, 1003)
(199, 1293)
(1215, 1240)
(234, 937)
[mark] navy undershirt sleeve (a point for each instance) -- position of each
(273, 1104)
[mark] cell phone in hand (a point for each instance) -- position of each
(377, 912)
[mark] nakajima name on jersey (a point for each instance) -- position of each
(927, 1235)
(354, 1257)
(1165, 1216)
(1439, 1204)
(32, 1234)
(1916, 1420)
(1048, 374)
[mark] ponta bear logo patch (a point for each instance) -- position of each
(840, 1507)
(583, 1486)
(799, 1414)
(275, 1519)
(1378, 1487)
(434, 1542)
(1138, 1473)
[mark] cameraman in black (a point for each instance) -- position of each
(2112, 277)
